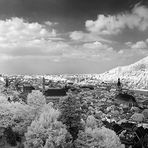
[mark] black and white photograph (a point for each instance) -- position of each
(73, 73)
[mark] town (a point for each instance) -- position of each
(109, 105)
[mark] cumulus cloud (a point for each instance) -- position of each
(21, 38)
(16, 30)
(24, 41)
(77, 35)
(87, 37)
(137, 49)
(120, 51)
(128, 43)
(139, 45)
(95, 45)
(137, 18)
(48, 23)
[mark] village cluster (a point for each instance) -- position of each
(108, 105)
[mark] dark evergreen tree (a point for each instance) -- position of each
(71, 114)
(7, 83)
(10, 136)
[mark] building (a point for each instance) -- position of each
(124, 98)
(54, 94)
(119, 86)
(129, 133)
(145, 103)
(27, 88)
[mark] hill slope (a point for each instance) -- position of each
(134, 75)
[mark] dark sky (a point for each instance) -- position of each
(66, 12)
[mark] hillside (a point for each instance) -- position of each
(134, 75)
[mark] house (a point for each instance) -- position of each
(87, 87)
(140, 133)
(145, 104)
(124, 98)
(28, 88)
(54, 94)
(129, 133)
(133, 135)
(117, 128)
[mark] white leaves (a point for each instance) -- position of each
(16, 115)
(36, 99)
(98, 137)
(91, 122)
(46, 128)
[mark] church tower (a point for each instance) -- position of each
(119, 86)
(43, 83)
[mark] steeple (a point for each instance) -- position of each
(119, 87)
(43, 83)
(7, 82)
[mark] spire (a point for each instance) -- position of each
(7, 82)
(43, 84)
(119, 87)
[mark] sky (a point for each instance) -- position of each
(71, 36)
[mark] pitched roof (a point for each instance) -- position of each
(125, 97)
(55, 92)
(117, 128)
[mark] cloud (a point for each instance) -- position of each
(17, 31)
(114, 24)
(96, 45)
(121, 51)
(77, 35)
(138, 49)
(48, 23)
(87, 37)
(21, 38)
(31, 41)
(139, 45)
(95, 50)
(128, 43)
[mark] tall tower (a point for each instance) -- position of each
(7, 82)
(43, 83)
(119, 87)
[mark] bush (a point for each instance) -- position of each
(10, 136)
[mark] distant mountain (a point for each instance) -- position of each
(134, 75)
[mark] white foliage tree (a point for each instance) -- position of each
(91, 122)
(6, 117)
(98, 138)
(3, 99)
(36, 99)
(23, 115)
(46, 132)
(106, 138)
(16, 115)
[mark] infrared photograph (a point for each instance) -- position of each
(73, 73)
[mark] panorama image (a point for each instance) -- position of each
(73, 73)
